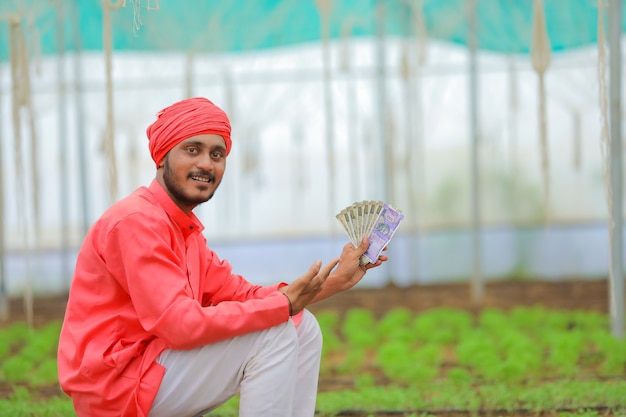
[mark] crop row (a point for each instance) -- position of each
(525, 360)
(519, 345)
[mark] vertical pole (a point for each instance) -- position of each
(351, 106)
(385, 144)
(330, 121)
(411, 139)
(616, 292)
(477, 289)
(381, 79)
(109, 139)
(189, 75)
(513, 140)
(352, 119)
(80, 119)
(324, 8)
(4, 298)
(62, 132)
(230, 193)
(417, 167)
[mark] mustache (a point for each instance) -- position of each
(207, 174)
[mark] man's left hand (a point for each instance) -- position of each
(349, 271)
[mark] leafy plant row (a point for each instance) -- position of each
(29, 356)
(525, 360)
(520, 345)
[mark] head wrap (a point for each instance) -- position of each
(186, 118)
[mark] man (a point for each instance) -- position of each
(157, 325)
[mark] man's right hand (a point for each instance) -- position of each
(304, 289)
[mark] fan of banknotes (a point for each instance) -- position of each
(376, 219)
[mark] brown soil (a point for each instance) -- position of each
(569, 295)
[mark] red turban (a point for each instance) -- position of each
(181, 120)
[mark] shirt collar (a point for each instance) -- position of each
(188, 223)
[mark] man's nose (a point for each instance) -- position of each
(205, 162)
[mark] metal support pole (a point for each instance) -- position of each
(616, 292)
(385, 142)
(477, 287)
(330, 120)
(4, 298)
(80, 119)
(381, 79)
(63, 145)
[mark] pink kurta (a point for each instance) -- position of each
(145, 281)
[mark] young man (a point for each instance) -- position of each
(157, 325)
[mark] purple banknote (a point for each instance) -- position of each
(382, 231)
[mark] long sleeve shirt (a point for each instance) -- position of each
(145, 281)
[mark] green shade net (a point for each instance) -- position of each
(207, 26)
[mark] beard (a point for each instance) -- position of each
(177, 190)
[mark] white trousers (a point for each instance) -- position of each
(275, 371)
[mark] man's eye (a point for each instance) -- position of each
(192, 150)
(216, 154)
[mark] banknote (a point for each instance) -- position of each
(382, 231)
(376, 219)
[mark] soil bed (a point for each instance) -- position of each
(566, 295)
(563, 295)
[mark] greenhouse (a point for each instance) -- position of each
(493, 126)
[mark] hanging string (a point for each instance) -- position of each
(513, 136)
(421, 33)
(27, 103)
(603, 102)
(605, 139)
(410, 138)
(4, 299)
(577, 139)
(345, 60)
(34, 43)
(32, 230)
(324, 8)
(137, 22)
(19, 78)
(189, 74)
(344, 55)
(540, 54)
(109, 131)
(250, 155)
